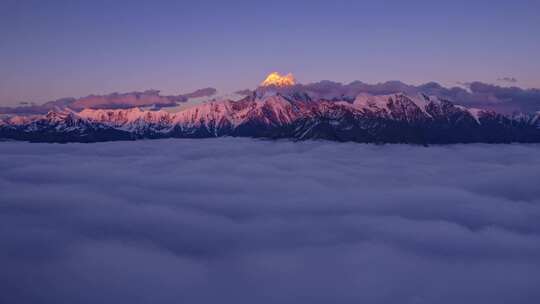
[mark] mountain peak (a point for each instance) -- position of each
(275, 79)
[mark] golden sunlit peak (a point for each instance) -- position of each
(277, 80)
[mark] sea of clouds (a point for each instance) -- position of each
(248, 221)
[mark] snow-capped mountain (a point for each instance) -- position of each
(283, 112)
(59, 127)
(275, 79)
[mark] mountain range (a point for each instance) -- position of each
(286, 111)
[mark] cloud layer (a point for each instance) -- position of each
(482, 95)
(247, 221)
(111, 101)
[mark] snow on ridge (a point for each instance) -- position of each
(381, 102)
(475, 112)
(372, 101)
(271, 110)
(120, 116)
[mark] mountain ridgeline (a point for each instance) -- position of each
(275, 113)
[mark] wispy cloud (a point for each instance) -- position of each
(245, 92)
(507, 79)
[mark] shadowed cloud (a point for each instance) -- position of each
(148, 98)
(248, 221)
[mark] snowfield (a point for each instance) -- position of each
(251, 221)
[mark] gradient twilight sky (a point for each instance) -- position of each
(52, 49)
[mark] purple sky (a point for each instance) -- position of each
(52, 49)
